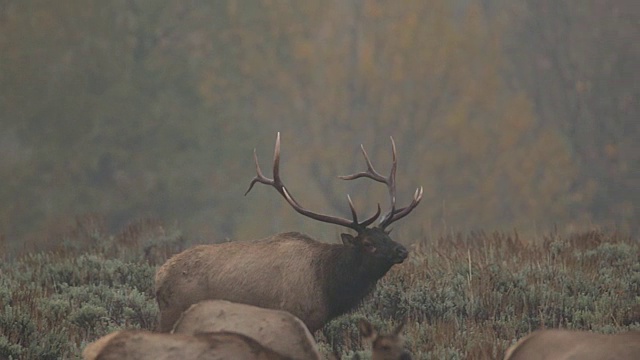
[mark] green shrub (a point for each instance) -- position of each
(9, 349)
(463, 296)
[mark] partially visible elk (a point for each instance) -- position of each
(313, 280)
(145, 345)
(276, 329)
(559, 344)
(385, 346)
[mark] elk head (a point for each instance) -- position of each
(373, 241)
(384, 347)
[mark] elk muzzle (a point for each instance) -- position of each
(400, 254)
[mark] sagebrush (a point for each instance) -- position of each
(464, 296)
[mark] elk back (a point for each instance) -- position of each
(145, 345)
(275, 329)
(564, 344)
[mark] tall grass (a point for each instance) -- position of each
(464, 296)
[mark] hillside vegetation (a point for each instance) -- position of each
(465, 296)
(511, 114)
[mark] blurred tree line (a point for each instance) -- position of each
(511, 114)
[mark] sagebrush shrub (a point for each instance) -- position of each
(463, 296)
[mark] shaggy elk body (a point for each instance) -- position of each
(313, 280)
(569, 345)
(276, 329)
(145, 345)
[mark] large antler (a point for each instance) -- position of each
(277, 183)
(393, 214)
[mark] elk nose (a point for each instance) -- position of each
(401, 254)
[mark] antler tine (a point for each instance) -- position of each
(321, 217)
(390, 181)
(367, 222)
(259, 176)
(353, 209)
(391, 185)
(400, 213)
(371, 173)
(373, 218)
(276, 160)
(277, 183)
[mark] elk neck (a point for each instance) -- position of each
(348, 275)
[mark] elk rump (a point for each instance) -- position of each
(557, 344)
(275, 329)
(145, 345)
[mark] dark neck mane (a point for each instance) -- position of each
(347, 278)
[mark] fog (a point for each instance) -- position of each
(512, 115)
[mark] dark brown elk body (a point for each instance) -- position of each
(312, 280)
(384, 346)
(145, 345)
(583, 345)
(276, 329)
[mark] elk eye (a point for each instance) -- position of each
(369, 247)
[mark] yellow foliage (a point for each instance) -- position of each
(303, 50)
(330, 75)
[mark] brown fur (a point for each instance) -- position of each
(565, 345)
(144, 345)
(384, 346)
(314, 281)
(275, 329)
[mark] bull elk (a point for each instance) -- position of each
(276, 329)
(565, 344)
(386, 346)
(145, 345)
(313, 280)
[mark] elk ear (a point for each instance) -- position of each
(348, 239)
(366, 329)
(399, 328)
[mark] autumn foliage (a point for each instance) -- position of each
(151, 109)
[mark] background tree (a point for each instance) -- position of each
(151, 108)
(576, 60)
(371, 70)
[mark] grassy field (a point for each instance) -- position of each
(465, 296)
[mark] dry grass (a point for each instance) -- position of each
(465, 296)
